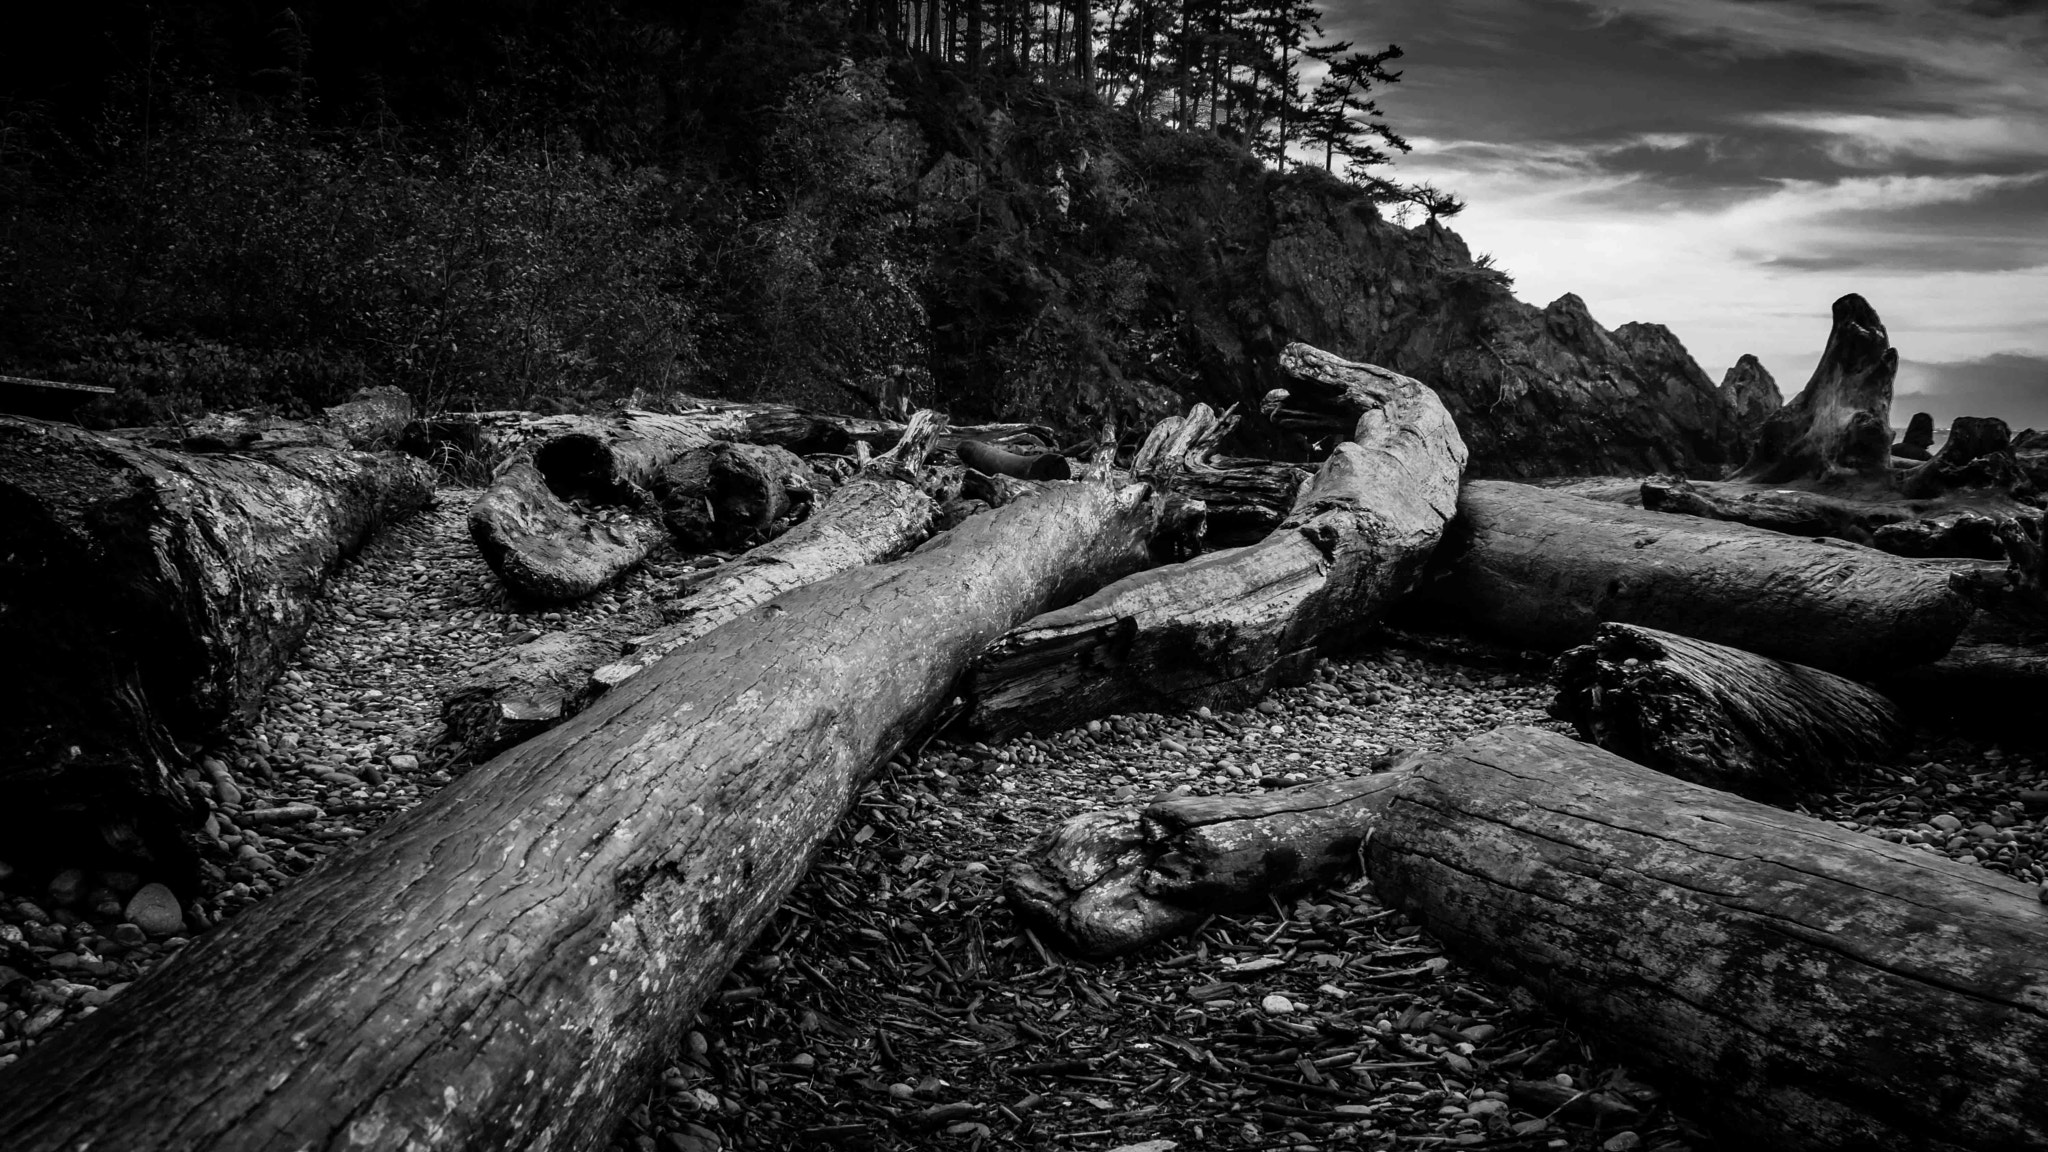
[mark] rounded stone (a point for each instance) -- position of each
(155, 910)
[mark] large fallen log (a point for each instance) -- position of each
(1720, 716)
(148, 595)
(507, 965)
(1546, 569)
(1805, 986)
(1222, 629)
(1839, 426)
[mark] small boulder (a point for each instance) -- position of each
(155, 910)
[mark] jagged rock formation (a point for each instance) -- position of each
(1751, 394)
(1919, 438)
(1082, 273)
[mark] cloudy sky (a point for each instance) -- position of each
(1729, 167)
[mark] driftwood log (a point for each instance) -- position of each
(1222, 629)
(1546, 569)
(507, 965)
(1839, 426)
(880, 514)
(544, 547)
(729, 496)
(1247, 499)
(993, 461)
(1805, 986)
(1720, 716)
(148, 595)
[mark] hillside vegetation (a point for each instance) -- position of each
(813, 201)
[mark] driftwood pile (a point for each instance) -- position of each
(506, 965)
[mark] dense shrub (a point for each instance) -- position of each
(234, 258)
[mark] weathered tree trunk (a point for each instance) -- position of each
(993, 461)
(726, 496)
(1839, 425)
(1247, 499)
(546, 550)
(1918, 439)
(1222, 629)
(1104, 883)
(1793, 512)
(1546, 569)
(879, 515)
(505, 966)
(1807, 986)
(1720, 716)
(148, 594)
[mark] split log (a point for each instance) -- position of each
(1839, 426)
(152, 595)
(1806, 986)
(1720, 716)
(1919, 438)
(508, 964)
(730, 496)
(1546, 569)
(1223, 629)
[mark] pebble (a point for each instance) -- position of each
(155, 910)
(67, 887)
(1276, 1005)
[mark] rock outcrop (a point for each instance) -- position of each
(1751, 394)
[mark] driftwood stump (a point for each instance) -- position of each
(1720, 716)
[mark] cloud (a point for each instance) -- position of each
(2011, 386)
(1730, 167)
(1862, 140)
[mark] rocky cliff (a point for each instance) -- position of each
(1072, 266)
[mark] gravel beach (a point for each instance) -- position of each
(895, 1002)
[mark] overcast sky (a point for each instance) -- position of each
(1729, 167)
